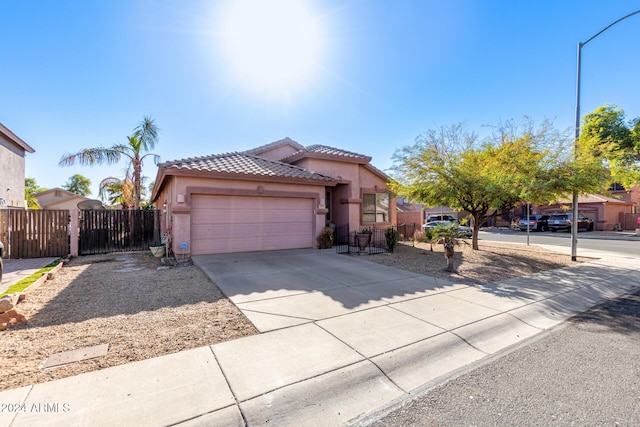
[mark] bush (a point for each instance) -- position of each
(325, 239)
(393, 237)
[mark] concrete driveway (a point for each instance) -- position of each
(279, 289)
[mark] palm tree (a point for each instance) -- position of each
(143, 139)
(117, 191)
(449, 236)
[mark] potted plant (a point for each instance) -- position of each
(363, 238)
(158, 251)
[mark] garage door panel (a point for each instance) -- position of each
(239, 224)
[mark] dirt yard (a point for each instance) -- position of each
(122, 300)
(141, 311)
(494, 261)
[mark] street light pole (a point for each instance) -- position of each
(574, 223)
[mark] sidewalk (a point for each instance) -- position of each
(327, 372)
(15, 270)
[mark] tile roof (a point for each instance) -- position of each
(595, 198)
(324, 150)
(246, 164)
(267, 147)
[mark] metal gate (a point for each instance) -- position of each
(104, 231)
(34, 233)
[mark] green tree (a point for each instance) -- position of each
(519, 162)
(609, 139)
(31, 188)
(143, 139)
(78, 184)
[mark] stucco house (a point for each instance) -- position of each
(58, 198)
(12, 154)
(604, 211)
(276, 196)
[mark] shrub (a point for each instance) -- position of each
(325, 239)
(393, 237)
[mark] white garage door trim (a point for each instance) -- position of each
(223, 223)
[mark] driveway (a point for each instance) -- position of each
(279, 289)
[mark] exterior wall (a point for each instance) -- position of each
(347, 197)
(604, 215)
(12, 176)
(178, 192)
(278, 153)
(632, 195)
(410, 217)
(71, 203)
(59, 199)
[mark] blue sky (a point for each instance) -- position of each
(76, 74)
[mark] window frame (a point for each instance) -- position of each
(376, 204)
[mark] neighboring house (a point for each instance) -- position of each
(604, 211)
(277, 196)
(12, 153)
(57, 198)
(409, 213)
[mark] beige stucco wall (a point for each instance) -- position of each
(176, 217)
(12, 173)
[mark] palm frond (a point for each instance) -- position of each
(92, 156)
(147, 133)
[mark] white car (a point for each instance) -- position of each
(467, 231)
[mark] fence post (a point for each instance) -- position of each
(74, 228)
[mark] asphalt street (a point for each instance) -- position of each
(586, 372)
(586, 240)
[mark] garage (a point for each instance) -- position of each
(222, 224)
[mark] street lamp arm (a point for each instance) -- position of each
(575, 200)
(609, 26)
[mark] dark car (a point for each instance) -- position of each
(441, 218)
(1, 255)
(563, 222)
(535, 223)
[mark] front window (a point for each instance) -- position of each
(375, 207)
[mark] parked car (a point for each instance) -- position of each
(449, 218)
(466, 231)
(1, 255)
(535, 223)
(563, 222)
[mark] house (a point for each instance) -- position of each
(276, 196)
(12, 153)
(606, 212)
(58, 198)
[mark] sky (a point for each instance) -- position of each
(362, 75)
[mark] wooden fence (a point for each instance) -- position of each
(34, 233)
(104, 231)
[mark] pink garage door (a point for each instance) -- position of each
(241, 223)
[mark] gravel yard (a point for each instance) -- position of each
(122, 300)
(493, 262)
(141, 311)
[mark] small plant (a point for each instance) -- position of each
(393, 237)
(365, 231)
(424, 237)
(449, 236)
(325, 239)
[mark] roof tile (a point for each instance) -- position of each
(245, 164)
